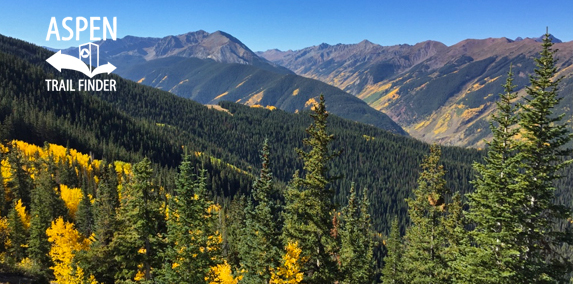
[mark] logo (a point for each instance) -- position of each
(88, 52)
(63, 61)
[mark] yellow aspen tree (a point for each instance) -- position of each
(25, 217)
(66, 242)
(223, 274)
(72, 198)
(289, 271)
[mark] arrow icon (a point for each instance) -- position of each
(63, 61)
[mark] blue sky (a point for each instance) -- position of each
(295, 24)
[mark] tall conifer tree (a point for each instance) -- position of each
(309, 206)
(192, 236)
(261, 244)
(427, 240)
(544, 155)
(136, 242)
(17, 235)
(393, 266)
(356, 252)
(99, 259)
(496, 203)
(46, 205)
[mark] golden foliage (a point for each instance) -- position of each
(58, 154)
(217, 161)
(471, 112)
(140, 276)
(255, 99)
(3, 149)
(222, 274)
(221, 95)
(311, 102)
(267, 107)
(21, 209)
(26, 264)
(422, 124)
(289, 271)
(4, 231)
(442, 124)
(295, 92)
(66, 242)
(6, 171)
(72, 198)
(368, 138)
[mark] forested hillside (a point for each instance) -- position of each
(373, 158)
(437, 93)
(209, 82)
(155, 188)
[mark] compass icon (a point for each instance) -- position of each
(86, 52)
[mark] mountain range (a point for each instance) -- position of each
(437, 93)
(213, 67)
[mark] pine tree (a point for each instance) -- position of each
(356, 252)
(20, 184)
(99, 259)
(232, 227)
(105, 204)
(496, 203)
(260, 247)
(136, 242)
(17, 235)
(544, 154)
(192, 230)
(309, 206)
(46, 206)
(84, 216)
(392, 271)
(426, 241)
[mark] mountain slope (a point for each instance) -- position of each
(209, 82)
(351, 67)
(219, 46)
(229, 70)
(444, 97)
(139, 120)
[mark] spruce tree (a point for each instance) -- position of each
(260, 247)
(392, 271)
(495, 205)
(84, 216)
(426, 258)
(193, 239)
(17, 235)
(105, 204)
(99, 259)
(544, 156)
(356, 251)
(232, 227)
(46, 205)
(136, 241)
(21, 184)
(309, 206)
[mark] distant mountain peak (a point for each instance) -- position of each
(540, 39)
(219, 46)
(365, 42)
